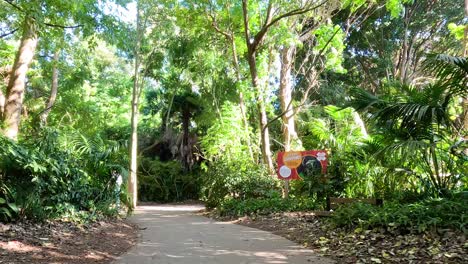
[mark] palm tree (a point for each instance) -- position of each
(186, 106)
(422, 122)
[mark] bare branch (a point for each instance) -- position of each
(329, 41)
(61, 26)
(9, 33)
(215, 26)
(10, 2)
(261, 34)
(246, 23)
(288, 109)
(268, 17)
(308, 90)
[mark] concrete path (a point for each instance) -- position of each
(173, 234)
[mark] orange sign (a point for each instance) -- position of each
(291, 165)
(292, 159)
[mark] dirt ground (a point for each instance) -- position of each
(62, 242)
(363, 246)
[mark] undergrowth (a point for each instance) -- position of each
(264, 206)
(426, 215)
(68, 177)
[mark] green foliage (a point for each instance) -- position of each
(457, 31)
(165, 181)
(418, 126)
(229, 170)
(8, 209)
(396, 7)
(425, 215)
(330, 43)
(235, 178)
(263, 206)
(61, 176)
(227, 136)
(338, 131)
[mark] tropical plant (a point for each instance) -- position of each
(341, 132)
(165, 181)
(422, 216)
(60, 174)
(419, 122)
(8, 209)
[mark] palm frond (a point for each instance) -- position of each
(362, 100)
(451, 72)
(404, 150)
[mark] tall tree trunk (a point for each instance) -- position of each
(252, 45)
(265, 136)
(465, 54)
(2, 104)
(53, 90)
(186, 149)
(263, 119)
(285, 97)
(5, 76)
(404, 51)
(16, 84)
(132, 178)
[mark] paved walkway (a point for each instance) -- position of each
(173, 234)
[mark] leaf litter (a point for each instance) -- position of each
(363, 246)
(65, 242)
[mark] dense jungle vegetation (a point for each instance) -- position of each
(187, 99)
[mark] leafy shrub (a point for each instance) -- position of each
(238, 179)
(229, 170)
(262, 206)
(412, 217)
(165, 181)
(58, 176)
(8, 210)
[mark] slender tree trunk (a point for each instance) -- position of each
(465, 54)
(245, 122)
(16, 84)
(285, 97)
(265, 136)
(360, 123)
(263, 119)
(53, 90)
(252, 45)
(404, 52)
(2, 104)
(168, 116)
(435, 163)
(186, 150)
(5, 76)
(132, 178)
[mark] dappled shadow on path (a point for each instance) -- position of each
(173, 234)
